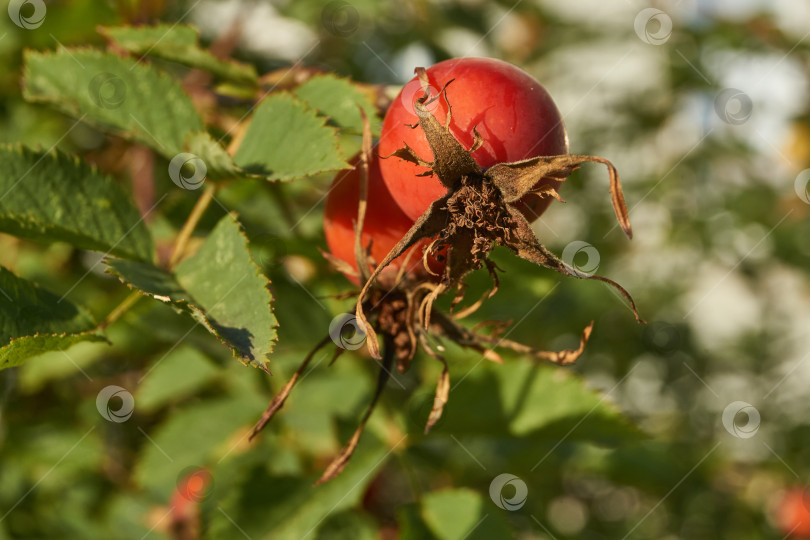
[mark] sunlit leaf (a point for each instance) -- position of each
(220, 286)
(338, 99)
(132, 98)
(287, 140)
(54, 197)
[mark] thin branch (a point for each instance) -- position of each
(191, 224)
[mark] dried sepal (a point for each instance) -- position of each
(281, 397)
(563, 357)
(516, 179)
(451, 160)
(442, 387)
(339, 462)
(444, 326)
(496, 283)
(360, 253)
(485, 344)
(406, 153)
(526, 246)
(428, 225)
(339, 264)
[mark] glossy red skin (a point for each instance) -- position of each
(793, 513)
(513, 113)
(385, 223)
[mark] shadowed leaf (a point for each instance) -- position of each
(177, 43)
(34, 321)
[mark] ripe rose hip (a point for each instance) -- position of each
(385, 223)
(515, 116)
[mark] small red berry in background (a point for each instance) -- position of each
(793, 513)
(184, 503)
(514, 114)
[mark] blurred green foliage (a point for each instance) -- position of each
(629, 442)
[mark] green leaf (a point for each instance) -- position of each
(220, 286)
(132, 98)
(150, 280)
(193, 436)
(34, 321)
(338, 99)
(286, 507)
(53, 366)
(232, 290)
(217, 161)
(54, 197)
(521, 398)
(350, 525)
(177, 43)
(455, 514)
(287, 140)
(178, 374)
(411, 524)
(22, 348)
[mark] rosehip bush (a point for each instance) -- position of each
(180, 210)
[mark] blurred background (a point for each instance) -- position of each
(694, 426)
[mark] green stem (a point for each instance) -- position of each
(122, 308)
(191, 223)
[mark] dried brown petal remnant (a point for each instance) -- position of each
(478, 211)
